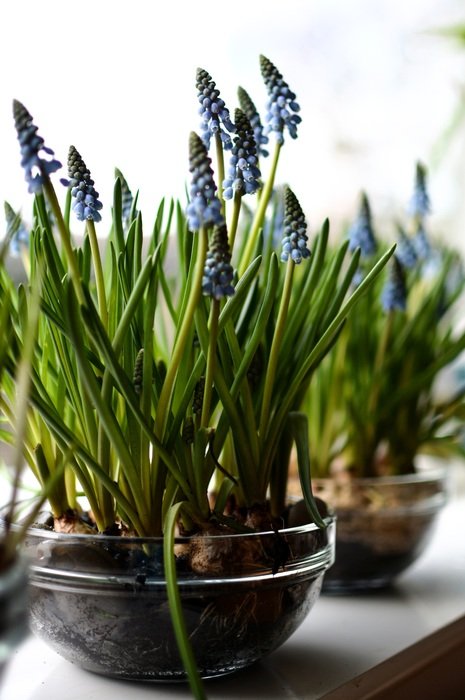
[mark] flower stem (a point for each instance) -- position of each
(379, 360)
(211, 357)
(182, 337)
(65, 239)
(99, 277)
(260, 213)
(274, 352)
(234, 220)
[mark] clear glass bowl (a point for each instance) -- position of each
(101, 601)
(13, 609)
(383, 525)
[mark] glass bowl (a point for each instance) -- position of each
(13, 609)
(383, 525)
(101, 601)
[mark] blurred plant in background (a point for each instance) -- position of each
(377, 401)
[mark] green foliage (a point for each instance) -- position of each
(375, 401)
(124, 343)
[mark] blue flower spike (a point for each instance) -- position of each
(394, 294)
(215, 118)
(35, 156)
(281, 106)
(419, 205)
(204, 208)
(405, 250)
(422, 243)
(294, 243)
(86, 204)
(251, 112)
(243, 174)
(218, 272)
(361, 233)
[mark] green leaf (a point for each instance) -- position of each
(298, 424)
(174, 600)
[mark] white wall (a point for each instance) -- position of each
(116, 79)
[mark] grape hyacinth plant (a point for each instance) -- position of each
(142, 404)
(378, 398)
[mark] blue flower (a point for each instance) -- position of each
(394, 294)
(218, 273)
(294, 243)
(422, 244)
(252, 114)
(281, 107)
(213, 111)
(361, 231)
(405, 250)
(419, 205)
(204, 208)
(243, 173)
(87, 203)
(17, 233)
(33, 151)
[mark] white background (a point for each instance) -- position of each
(116, 79)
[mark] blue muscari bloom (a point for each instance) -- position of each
(394, 293)
(405, 250)
(204, 208)
(243, 174)
(17, 232)
(213, 111)
(422, 244)
(419, 205)
(294, 243)
(33, 150)
(252, 114)
(218, 272)
(281, 106)
(361, 233)
(87, 204)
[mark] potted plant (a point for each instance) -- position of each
(13, 566)
(13, 581)
(377, 402)
(165, 388)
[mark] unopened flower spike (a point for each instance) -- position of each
(243, 174)
(218, 272)
(137, 376)
(422, 244)
(204, 208)
(249, 109)
(294, 243)
(394, 294)
(213, 111)
(34, 160)
(87, 204)
(361, 233)
(17, 233)
(281, 106)
(127, 198)
(405, 250)
(419, 205)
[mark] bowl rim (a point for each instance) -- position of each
(44, 533)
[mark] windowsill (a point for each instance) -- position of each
(342, 638)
